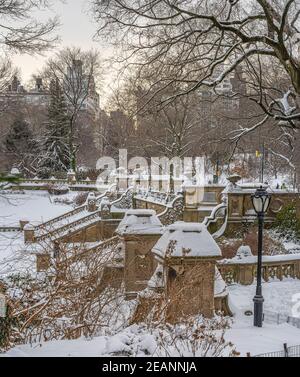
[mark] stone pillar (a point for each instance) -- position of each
(29, 233)
(43, 262)
(140, 231)
(246, 276)
(23, 223)
(188, 254)
(71, 177)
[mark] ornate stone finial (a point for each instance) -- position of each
(105, 208)
(92, 202)
(234, 179)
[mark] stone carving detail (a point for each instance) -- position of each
(126, 200)
(174, 213)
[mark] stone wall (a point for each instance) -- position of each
(190, 289)
(102, 230)
(139, 262)
(148, 204)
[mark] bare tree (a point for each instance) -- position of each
(200, 43)
(21, 31)
(76, 70)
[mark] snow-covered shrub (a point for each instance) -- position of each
(81, 198)
(57, 189)
(73, 298)
(194, 337)
(287, 223)
(272, 245)
(91, 174)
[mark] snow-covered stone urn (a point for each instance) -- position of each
(140, 230)
(188, 253)
(105, 208)
(15, 172)
(92, 202)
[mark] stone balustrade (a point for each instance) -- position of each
(243, 271)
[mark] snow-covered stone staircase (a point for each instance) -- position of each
(68, 226)
(79, 219)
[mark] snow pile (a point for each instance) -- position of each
(244, 252)
(139, 341)
(139, 221)
(187, 239)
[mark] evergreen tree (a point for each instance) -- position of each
(55, 146)
(20, 145)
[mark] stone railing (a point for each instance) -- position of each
(243, 271)
(72, 227)
(111, 243)
(125, 201)
(155, 196)
(105, 249)
(219, 212)
(173, 212)
(52, 181)
(48, 224)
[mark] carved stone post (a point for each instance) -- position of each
(140, 230)
(188, 254)
(23, 223)
(71, 177)
(43, 262)
(29, 233)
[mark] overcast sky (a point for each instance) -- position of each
(77, 30)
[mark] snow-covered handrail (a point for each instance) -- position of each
(173, 212)
(69, 214)
(71, 227)
(213, 218)
(125, 201)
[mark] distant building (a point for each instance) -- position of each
(39, 95)
(33, 103)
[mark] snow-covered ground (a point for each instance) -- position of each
(137, 341)
(278, 296)
(34, 206)
(14, 258)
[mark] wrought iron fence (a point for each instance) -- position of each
(286, 352)
(278, 318)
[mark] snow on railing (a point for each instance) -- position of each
(125, 201)
(220, 211)
(173, 212)
(71, 227)
(243, 270)
(46, 225)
